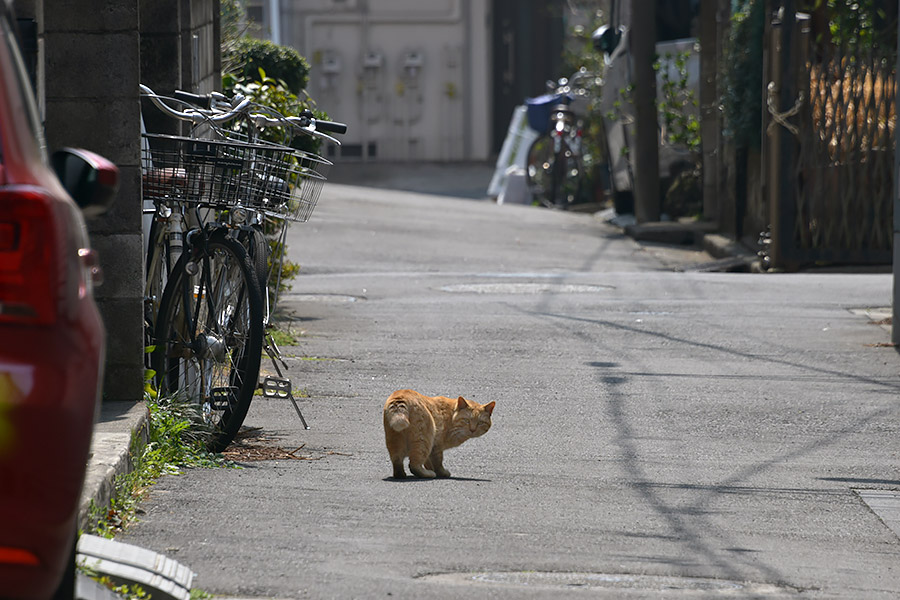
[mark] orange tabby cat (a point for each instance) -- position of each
(422, 427)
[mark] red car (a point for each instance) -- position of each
(51, 338)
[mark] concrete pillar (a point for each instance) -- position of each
(26, 13)
(25, 9)
(161, 58)
(645, 149)
(200, 51)
(709, 106)
(179, 50)
(91, 58)
(895, 269)
(91, 71)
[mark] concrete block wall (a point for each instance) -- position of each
(161, 58)
(91, 58)
(91, 72)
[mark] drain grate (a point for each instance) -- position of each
(658, 584)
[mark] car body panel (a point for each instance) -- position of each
(48, 389)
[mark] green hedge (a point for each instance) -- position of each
(279, 62)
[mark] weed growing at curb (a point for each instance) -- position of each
(125, 592)
(284, 337)
(177, 438)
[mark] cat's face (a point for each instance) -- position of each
(473, 418)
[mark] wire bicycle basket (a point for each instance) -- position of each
(293, 187)
(228, 173)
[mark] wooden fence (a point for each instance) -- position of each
(829, 158)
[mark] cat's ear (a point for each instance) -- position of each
(489, 407)
(461, 403)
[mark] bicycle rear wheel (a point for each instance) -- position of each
(162, 254)
(566, 179)
(209, 335)
(539, 171)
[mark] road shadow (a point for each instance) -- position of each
(414, 479)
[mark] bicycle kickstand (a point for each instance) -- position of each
(279, 387)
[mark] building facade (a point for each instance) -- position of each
(433, 81)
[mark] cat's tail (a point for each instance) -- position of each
(396, 416)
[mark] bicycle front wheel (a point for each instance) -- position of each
(209, 335)
(257, 247)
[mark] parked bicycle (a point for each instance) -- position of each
(212, 191)
(554, 170)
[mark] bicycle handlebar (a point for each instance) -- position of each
(237, 106)
(216, 108)
(204, 101)
(318, 124)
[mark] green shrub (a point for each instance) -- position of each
(248, 55)
(678, 108)
(264, 89)
(861, 25)
(273, 93)
(274, 76)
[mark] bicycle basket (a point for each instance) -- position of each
(293, 184)
(538, 110)
(216, 173)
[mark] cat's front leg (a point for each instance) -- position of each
(436, 463)
(399, 473)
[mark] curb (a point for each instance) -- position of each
(117, 425)
(728, 253)
(720, 246)
(668, 232)
(161, 577)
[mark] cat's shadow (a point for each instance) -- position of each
(423, 479)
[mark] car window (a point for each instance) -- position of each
(23, 87)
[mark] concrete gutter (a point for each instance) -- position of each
(117, 424)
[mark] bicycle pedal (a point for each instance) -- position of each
(221, 398)
(278, 388)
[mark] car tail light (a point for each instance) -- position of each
(18, 556)
(30, 272)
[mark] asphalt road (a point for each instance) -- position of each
(656, 434)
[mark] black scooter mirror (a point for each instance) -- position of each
(605, 39)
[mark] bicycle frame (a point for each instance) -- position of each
(554, 160)
(271, 183)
